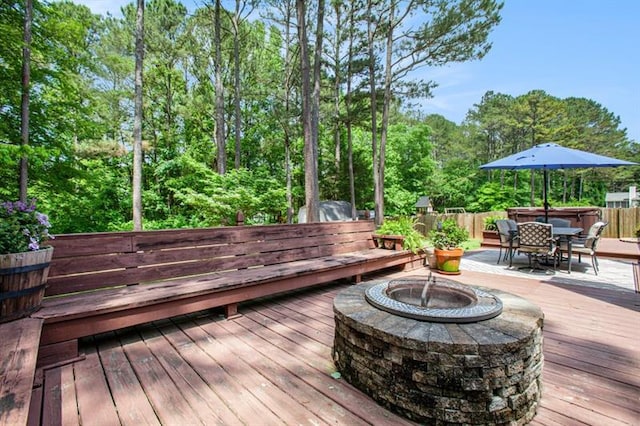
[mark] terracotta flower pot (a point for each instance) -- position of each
(448, 261)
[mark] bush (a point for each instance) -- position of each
(405, 226)
(490, 222)
(448, 235)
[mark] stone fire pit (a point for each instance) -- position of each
(484, 372)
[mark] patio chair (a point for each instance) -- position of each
(536, 240)
(587, 244)
(560, 223)
(507, 231)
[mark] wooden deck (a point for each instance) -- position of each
(273, 365)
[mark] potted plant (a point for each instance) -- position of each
(399, 233)
(24, 263)
(447, 238)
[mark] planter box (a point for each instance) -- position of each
(389, 242)
(490, 238)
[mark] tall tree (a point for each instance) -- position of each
(373, 24)
(237, 19)
(115, 70)
(137, 121)
(24, 106)
(165, 82)
(449, 31)
(286, 107)
(356, 67)
(317, 81)
(312, 200)
(540, 118)
(219, 100)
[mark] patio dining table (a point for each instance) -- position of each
(568, 234)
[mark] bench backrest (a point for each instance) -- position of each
(84, 262)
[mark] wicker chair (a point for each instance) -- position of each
(587, 244)
(536, 240)
(507, 231)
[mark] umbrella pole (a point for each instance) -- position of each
(545, 183)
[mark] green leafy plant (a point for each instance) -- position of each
(638, 231)
(405, 226)
(448, 235)
(490, 222)
(22, 228)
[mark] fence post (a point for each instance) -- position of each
(239, 218)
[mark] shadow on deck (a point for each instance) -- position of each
(273, 364)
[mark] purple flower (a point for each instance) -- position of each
(8, 205)
(22, 228)
(43, 219)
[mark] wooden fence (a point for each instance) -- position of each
(622, 222)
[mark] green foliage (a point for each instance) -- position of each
(492, 196)
(80, 160)
(22, 228)
(490, 222)
(448, 235)
(405, 226)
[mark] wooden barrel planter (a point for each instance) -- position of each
(23, 278)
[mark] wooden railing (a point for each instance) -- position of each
(622, 222)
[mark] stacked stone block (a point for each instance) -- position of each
(487, 372)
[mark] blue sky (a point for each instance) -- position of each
(568, 48)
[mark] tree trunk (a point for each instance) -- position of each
(287, 169)
(315, 97)
(347, 102)
(386, 104)
(24, 106)
(219, 119)
(336, 90)
(379, 213)
(137, 120)
(236, 83)
(286, 96)
(310, 173)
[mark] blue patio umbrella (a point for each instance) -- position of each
(551, 156)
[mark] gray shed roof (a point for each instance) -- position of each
(423, 202)
(616, 196)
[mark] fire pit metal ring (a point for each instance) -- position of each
(473, 304)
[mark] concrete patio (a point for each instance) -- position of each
(614, 257)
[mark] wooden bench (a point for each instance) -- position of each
(19, 342)
(107, 281)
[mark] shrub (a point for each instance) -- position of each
(448, 235)
(490, 222)
(405, 226)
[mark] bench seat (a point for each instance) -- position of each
(93, 312)
(107, 281)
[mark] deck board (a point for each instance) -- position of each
(272, 365)
(126, 390)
